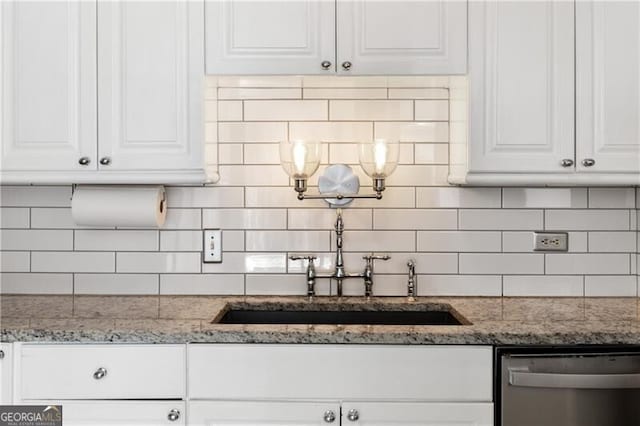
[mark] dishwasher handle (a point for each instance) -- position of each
(525, 378)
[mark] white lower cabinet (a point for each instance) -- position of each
(6, 373)
(122, 413)
(417, 413)
(246, 413)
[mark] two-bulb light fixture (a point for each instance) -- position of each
(338, 185)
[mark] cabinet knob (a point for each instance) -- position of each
(100, 373)
(353, 415)
(105, 161)
(173, 415)
(325, 65)
(567, 162)
(84, 161)
(346, 65)
(329, 416)
(588, 162)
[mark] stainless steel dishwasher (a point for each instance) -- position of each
(587, 386)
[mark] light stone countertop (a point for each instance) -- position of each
(181, 319)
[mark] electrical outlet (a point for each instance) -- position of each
(551, 241)
(212, 246)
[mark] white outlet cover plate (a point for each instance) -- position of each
(550, 241)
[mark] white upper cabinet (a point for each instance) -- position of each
(48, 85)
(150, 85)
(102, 92)
(401, 37)
(608, 86)
(521, 86)
(351, 37)
(270, 37)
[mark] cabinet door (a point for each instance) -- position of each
(521, 70)
(402, 37)
(125, 413)
(150, 85)
(250, 413)
(417, 414)
(270, 37)
(6, 373)
(48, 85)
(608, 85)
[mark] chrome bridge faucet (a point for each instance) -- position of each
(339, 273)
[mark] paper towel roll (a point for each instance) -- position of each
(130, 206)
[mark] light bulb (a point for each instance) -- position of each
(299, 154)
(380, 150)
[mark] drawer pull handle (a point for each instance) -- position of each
(100, 373)
(173, 415)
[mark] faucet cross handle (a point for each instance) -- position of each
(311, 273)
(368, 272)
(376, 257)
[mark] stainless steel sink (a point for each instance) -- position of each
(344, 314)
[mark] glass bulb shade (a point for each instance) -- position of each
(300, 158)
(379, 157)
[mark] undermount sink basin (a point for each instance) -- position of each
(361, 314)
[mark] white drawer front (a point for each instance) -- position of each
(72, 371)
(365, 372)
(121, 413)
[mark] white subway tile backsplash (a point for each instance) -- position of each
(331, 131)
(383, 110)
(15, 261)
(325, 219)
(204, 197)
(588, 264)
(202, 284)
(244, 218)
(432, 110)
(587, 220)
(120, 240)
(507, 263)
(14, 217)
(278, 110)
(158, 262)
(250, 263)
(247, 132)
(543, 286)
(612, 198)
(414, 219)
(452, 197)
(35, 196)
(418, 93)
(610, 286)
(298, 241)
(40, 239)
(78, 261)
(459, 241)
(230, 110)
(181, 240)
(20, 283)
(345, 93)
(259, 93)
(124, 284)
(467, 241)
(460, 285)
(492, 219)
(547, 198)
(612, 242)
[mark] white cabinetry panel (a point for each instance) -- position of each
(251, 413)
(402, 37)
(48, 85)
(150, 85)
(6, 373)
(122, 413)
(608, 86)
(521, 86)
(270, 37)
(417, 414)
